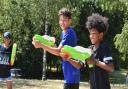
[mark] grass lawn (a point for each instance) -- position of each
(117, 79)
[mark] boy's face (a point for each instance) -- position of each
(7, 41)
(64, 22)
(95, 36)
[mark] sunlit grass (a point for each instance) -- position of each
(117, 79)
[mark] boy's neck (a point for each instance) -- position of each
(65, 30)
(98, 43)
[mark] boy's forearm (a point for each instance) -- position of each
(107, 67)
(52, 50)
(75, 63)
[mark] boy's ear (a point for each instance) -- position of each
(101, 35)
(70, 21)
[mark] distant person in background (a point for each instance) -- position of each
(5, 56)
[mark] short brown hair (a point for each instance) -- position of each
(65, 12)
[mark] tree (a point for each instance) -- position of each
(121, 42)
(121, 39)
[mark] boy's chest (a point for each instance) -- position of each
(98, 54)
(5, 55)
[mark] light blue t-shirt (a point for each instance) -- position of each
(71, 74)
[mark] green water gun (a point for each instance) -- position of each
(46, 40)
(1, 37)
(78, 52)
(13, 54)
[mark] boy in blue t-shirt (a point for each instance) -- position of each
(71, 68)
(5, 56)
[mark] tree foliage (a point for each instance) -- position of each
(122, 39)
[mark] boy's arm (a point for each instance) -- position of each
(106, 63)
(52, 50)
(56, 51)
(108, 67)
(76, 63)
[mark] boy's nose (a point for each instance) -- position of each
(62, 22)
(90, 36)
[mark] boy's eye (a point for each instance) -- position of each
(6, 38)
(63, 20)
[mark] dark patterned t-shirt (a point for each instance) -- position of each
(5, 56)
(99, 78)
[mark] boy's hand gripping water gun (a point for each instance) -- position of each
(13, 55)
(78, 52)
(46, 40)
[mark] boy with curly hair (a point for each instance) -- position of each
(97, 26)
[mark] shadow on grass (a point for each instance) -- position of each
(54, 75)
(118, 77)
(59, 75)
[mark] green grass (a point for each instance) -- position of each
(117, 80)
(118, 77)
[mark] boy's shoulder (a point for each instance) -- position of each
(70, 29)
(104, 45)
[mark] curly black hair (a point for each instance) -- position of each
(97, 22)
(65, 12)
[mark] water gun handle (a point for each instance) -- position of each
(91, 65)
(66, 55)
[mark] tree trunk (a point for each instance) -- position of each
(44, 54)
(44, 66)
